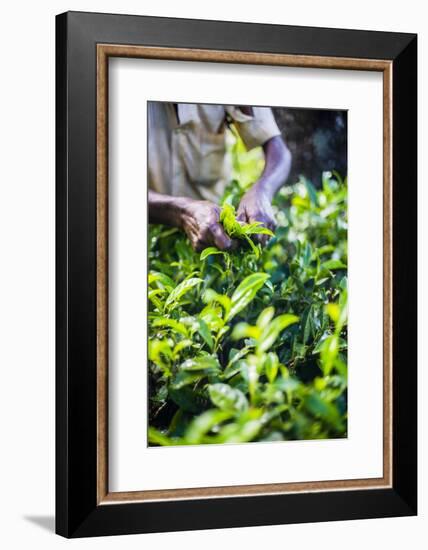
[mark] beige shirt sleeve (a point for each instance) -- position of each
(254, 129)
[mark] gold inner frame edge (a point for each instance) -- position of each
(104, 51)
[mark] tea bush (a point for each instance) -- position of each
(251, 345)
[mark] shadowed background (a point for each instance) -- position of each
(317, 139)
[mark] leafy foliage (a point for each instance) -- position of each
(241, 230)
(251, 345)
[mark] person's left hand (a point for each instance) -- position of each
(255, 206)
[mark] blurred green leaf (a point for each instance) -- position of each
(209, 252)
(204, 331)
(180, 290)
(271, 332)
(245, 293)
(226, 398)
(333, 264)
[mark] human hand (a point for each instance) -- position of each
(255, 206)
(200, 221)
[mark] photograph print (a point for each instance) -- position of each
(247, 276)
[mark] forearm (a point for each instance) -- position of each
(277, 167)
(165, 209)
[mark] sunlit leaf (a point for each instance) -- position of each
(203, 362)
(180, 290)
(172, 324)
(155, 276)
(211, 250)
(204, 331)
(244, 330)
(204, 423)
(329, 351)
(245, 293)
(333, 264)
(273, 330)
(158, 438)
(334, 312)
(265, 316)
(271, 366)
(226, 398)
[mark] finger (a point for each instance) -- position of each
(269, 224)
(261, 239)
(264, 239)
(235, 244)
(241, 215)
(221, 240)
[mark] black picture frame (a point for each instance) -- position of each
(78, 513)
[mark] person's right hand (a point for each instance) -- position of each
(200, 220)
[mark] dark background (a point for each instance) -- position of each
(317, 139)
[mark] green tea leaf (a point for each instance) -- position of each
(273, 330)
(244, 330)
(204, 331)
(204, 423)
(180, 290)
(265, 316)
(183, 344)
(211, 296)
(228, 218)
(188, 399)
(308, 326)
(256, 228)
(172, 324)
(245, 293)
(203, 362)
(209, 252)
(312, 193)
(155, 276)
(254, 247)
(226, 398)
(333, 264)
(329, 351)
(271, 366)
(158, 438)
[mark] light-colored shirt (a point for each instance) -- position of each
(187, 154)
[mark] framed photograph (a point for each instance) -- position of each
(236, 274)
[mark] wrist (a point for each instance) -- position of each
(167, 209)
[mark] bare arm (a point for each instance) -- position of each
(165, 209)
(256, 204)
(277, 166)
